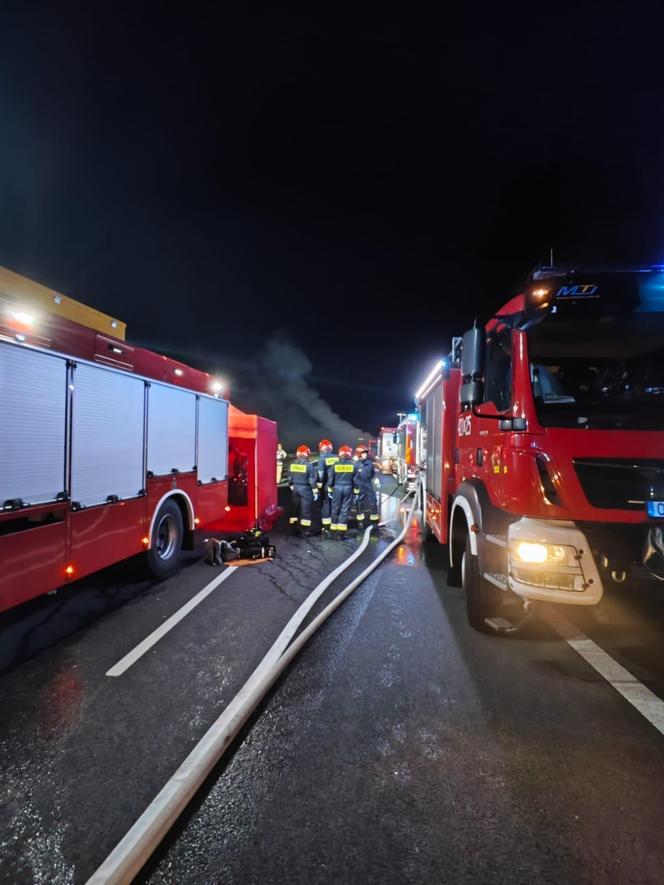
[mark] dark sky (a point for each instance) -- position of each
(368, 183)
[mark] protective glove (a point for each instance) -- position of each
(291, 488)
(330, 492)
(319, 485)
(377, 484)
(356, 491)
(315, 494)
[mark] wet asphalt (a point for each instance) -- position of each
(400, 747)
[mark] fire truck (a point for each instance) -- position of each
(388, 449)
(109, 450)
(544, 436)
(407, 450)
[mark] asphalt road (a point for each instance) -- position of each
(400, 747)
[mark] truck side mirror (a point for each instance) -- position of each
(472, 366)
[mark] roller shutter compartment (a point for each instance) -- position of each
(171, 430)
(212, 439)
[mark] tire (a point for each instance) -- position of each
(163, 557)
(481, 599)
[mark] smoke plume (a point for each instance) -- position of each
(279, 388)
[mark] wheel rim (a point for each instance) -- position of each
(166, 536)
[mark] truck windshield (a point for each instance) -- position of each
(604, 376)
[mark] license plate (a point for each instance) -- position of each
(656, 509)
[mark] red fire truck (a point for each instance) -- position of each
(108, 450)
(388, 449)
(544, 434)
(407, 451)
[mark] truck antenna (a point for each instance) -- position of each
(551, 257)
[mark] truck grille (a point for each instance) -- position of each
(621, 483)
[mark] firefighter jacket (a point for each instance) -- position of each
(324, 468)
(366, 474)
(302, 472)
(342, 474)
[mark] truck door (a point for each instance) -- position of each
(490, 456)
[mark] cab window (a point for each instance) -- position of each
(498, 373)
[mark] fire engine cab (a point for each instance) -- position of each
(544, 443)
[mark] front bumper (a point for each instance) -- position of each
(579, 574)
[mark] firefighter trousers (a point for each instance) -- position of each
(342, 498)
(367, 502)
(302, 500)
(325, 508)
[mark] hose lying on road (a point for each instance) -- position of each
(136, 847)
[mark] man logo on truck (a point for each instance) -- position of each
(589, 290)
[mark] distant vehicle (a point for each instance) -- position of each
(388, 450)
(544, 436)
(109, 450)
(407, 450)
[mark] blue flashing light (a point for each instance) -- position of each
(651, 292)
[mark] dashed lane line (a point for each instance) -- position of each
(638, 695)
(131, 657)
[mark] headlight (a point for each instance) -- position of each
(537, 554)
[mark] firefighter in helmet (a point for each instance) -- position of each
(302, 482)
(326, 461)
(367, 484)
(341, 483)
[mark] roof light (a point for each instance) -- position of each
(430, 377)
(22, 317)
(20, 337)
(217, 386)
(179, 373)
(114, 324)
(57, 299)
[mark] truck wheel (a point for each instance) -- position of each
(166, 541)
(481, 600)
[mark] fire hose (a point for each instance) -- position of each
(142, 839)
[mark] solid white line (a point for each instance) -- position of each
(134, 849)
(125, 663)
(638, 695)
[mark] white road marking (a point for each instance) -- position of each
(125, 663)
(133, 850)
(638, 695)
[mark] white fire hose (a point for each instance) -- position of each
(137, 846)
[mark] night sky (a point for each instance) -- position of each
(366, 183)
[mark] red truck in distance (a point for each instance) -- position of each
(108, 450)
(544, 443)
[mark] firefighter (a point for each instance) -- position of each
(326, 461)
(281, 458)
(367, 484)
(341, 484)
(302, 482)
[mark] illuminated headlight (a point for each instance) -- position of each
(539, 554)
(551, 561)
(550, 566)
